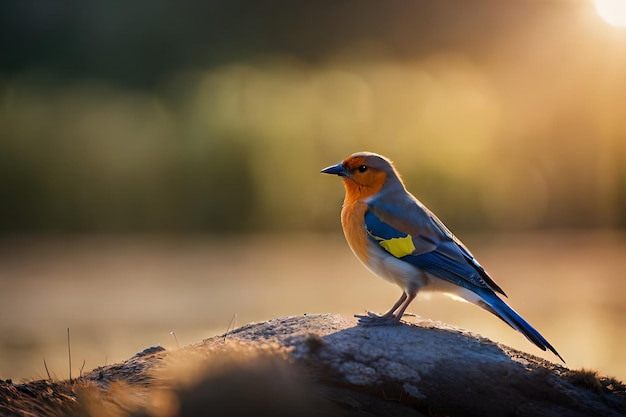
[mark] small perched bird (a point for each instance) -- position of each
(397, 238)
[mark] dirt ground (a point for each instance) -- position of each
(119, 295)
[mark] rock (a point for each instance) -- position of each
(436, 368)
(329, 365)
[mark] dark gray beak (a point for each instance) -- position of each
(335, 170)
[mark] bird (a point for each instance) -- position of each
(399, 239)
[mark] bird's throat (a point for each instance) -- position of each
(358, 192)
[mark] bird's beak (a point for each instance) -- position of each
(335, 170)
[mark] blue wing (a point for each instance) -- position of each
(443, 257)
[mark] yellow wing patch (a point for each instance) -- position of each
(398, 246)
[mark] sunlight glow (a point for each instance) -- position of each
(612, 11)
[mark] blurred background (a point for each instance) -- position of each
(159, 166)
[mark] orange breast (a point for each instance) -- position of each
(352, 221)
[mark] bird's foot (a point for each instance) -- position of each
(373, 319)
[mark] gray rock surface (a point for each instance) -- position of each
(326, 365)
(436, 368)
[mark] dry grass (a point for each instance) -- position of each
(234, 379)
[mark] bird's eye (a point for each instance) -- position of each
(363, 168)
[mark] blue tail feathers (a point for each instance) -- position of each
(495, 305)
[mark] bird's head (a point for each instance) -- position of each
(365, 174)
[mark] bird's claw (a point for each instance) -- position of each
(373, 319)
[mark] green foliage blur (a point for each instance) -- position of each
(185, 117)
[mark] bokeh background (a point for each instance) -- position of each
(159, 166)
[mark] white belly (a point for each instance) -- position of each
(410, 278)
(394, 270)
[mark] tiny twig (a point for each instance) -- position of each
(81, 368)
(175, 338)
(45, 365)
(233, 324)
(69, 353)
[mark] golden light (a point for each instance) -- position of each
(612, 11)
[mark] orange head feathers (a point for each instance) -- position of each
(365, 174)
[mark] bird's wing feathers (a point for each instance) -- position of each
(409, 231)
(404, 218)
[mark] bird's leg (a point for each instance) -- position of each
(389, 317)
(398, 303)
(408, 298)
